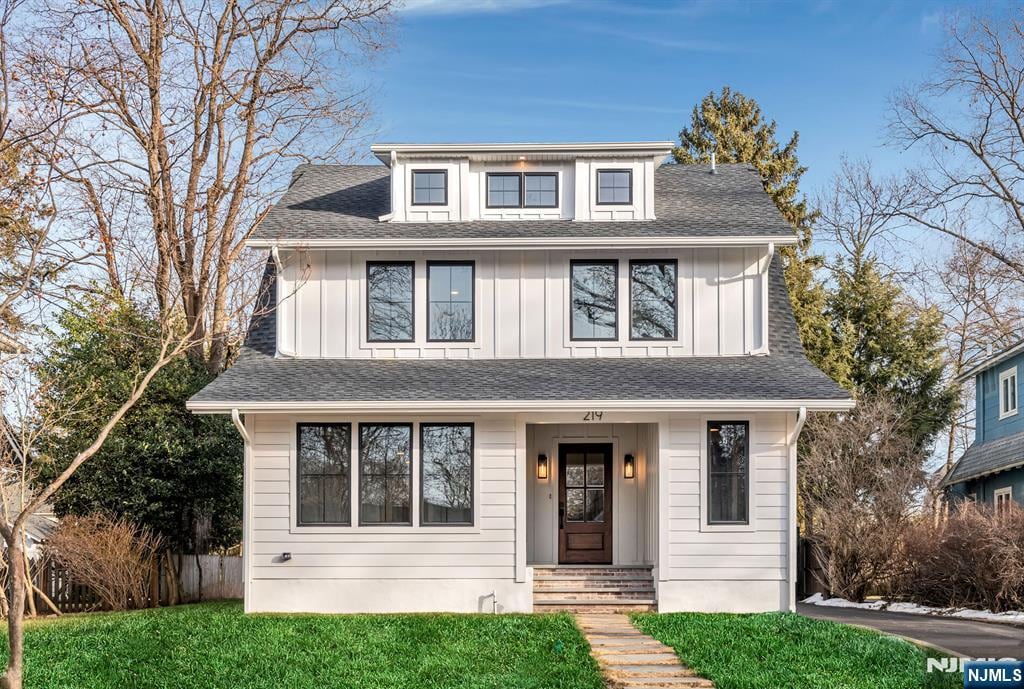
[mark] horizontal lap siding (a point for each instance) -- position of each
(698, 554)
(431, 553)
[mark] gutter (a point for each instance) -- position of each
(237, 420)
(801, 419)
(275, 254)
(519, 243)
(763, 349)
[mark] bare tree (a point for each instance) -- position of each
(968, 122)
(188, 114)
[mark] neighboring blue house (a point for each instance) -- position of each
(992, 469)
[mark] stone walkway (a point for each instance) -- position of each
(630, 659)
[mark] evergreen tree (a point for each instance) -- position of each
(731, 126)
(178, 473)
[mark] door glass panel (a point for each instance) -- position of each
(595, 505)
(595, 470)
(574, 470)
(574, 504)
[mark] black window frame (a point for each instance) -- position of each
(539, 174)
(359, 469)
(522, 189)
(749, 502)
(590, 262)
(412, 187)
(472, 278)
(412, 300)
(675, 328)
(472, 473)
(347, 509)
(487, 189)
(597, 187)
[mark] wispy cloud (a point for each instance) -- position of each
(691, 45)
(475, 6)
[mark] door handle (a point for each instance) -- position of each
(561, 515)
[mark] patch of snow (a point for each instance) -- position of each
(915, 609)
(818, 599)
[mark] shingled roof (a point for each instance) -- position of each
(982, 459)
(339, 202)
(259, 377)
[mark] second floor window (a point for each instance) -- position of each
(389, 302)
(504, 190)
(450, 302)
(429, 188)
(615, 187)
(522, 190)
(1008, 392)
(594, 296)
(652, 300)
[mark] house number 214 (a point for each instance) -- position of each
(593, 416)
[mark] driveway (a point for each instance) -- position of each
(966, 637)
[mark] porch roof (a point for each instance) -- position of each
(783, 378)
(982, 459)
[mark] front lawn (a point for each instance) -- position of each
(787, 650)
(213, 645)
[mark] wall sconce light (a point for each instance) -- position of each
(542, 467)
(629, 466)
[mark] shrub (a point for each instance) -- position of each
(972, 559)
(111, 556)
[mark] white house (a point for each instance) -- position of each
(521, 377)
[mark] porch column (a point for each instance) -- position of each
(520, 515)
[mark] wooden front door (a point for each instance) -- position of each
(585, 504)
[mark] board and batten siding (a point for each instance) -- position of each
(381, 568)
(522, 305)
(725, 569)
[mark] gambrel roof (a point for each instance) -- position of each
(345, 202)
(259, 380)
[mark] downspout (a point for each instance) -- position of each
(801, 418)
(247, 498)
(275, 254)
(763, 349)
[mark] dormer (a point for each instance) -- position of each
(495, 182)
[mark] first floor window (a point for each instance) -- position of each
(450, 302)
(652, 300)
(447, 473)
(728, 472)
(1003, 498)
(389, 301)
(1008, 392)
(385, 473)
(594, 296)
(324, 461)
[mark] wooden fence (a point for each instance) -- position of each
(221, 578)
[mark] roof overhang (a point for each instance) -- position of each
(518, 243)
(951, 481)
(523, 151)
(989, 362)
(516, 406)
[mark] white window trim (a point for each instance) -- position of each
(751, 524)
(1004, 375)
(1002, 492)
(356, 528)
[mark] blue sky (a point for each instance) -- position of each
(544, 70)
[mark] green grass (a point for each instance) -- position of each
(787, 651)
(215, 645)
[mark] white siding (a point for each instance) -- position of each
(364, 569)
(725, 569)
(522, 305)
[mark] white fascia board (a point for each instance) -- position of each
(383, 150)
(519, 406)
(994, 360)
(517, 243)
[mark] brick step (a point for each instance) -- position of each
(545, 572)
(571, 587)
(541, 596)
(608, 606)
(593, 579)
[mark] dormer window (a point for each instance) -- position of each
(429, 188)
(522, 190)
(615, 187)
